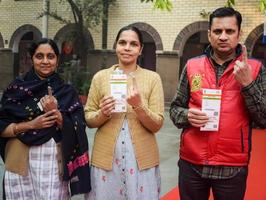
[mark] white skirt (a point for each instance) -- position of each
(125, 181)
(43, 181)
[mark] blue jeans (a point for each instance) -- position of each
(193, 187)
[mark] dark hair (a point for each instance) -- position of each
(226, 12)
(132, 28)
(35, 45)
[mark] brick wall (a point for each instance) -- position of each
(169, 24)
(14, 14)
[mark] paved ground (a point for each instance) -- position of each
(168, 141)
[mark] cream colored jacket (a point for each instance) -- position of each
(144, 141)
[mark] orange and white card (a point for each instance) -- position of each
(118, 84)
(211, 104)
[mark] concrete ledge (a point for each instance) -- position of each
(165, 53)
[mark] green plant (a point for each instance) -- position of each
(77, 76)
(205, 14)
(231, 3)
(82, 81)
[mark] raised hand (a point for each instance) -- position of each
(133, 96)
(242, 70)
(107, 105)
(197, 118)
(49, 102)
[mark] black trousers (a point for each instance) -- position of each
(193, 187)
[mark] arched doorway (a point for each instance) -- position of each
(148, 55)
(24, 57)
(191, 42)
(74, 53)
(67, 40)
(19, 43)
(255, 47)
(152, 42)
(194, 46)
(259, 50)
(1, 41)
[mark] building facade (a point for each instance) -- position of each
(170, 38)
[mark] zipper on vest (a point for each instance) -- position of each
(182, 138)
(215, 72)
(242, 141)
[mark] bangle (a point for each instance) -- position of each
(137, 107)
(106, 116)
(16, 132)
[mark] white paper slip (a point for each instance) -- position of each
(40, 106)
(211, 104)
(118, 84)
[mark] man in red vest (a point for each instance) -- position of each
(218, 95)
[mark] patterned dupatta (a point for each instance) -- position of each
(19, 103)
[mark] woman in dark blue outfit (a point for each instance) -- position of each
(42, 132)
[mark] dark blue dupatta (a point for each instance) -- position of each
(19, 103)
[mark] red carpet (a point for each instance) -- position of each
(256, 183)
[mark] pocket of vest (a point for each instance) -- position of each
(245, 139)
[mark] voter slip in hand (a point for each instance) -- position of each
(211, 103)
(118, 84)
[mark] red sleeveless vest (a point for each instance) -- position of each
(230, 145)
